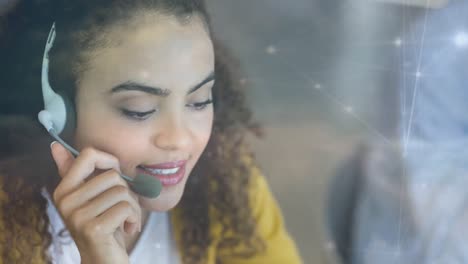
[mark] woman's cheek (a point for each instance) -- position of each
(203, 128)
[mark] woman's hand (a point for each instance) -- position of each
(96, 204)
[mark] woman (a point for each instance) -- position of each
(152, 93)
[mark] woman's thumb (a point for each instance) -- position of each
(62, 157)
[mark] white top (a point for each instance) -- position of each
(155, 245)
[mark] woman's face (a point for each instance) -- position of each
(145, 99)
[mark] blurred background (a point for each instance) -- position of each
(326, 77)
(323, 77)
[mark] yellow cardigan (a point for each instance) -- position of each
(280, 248)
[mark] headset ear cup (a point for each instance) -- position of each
(70, 122)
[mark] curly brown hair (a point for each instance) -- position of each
(223, 171)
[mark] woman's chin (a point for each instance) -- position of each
(167, 200)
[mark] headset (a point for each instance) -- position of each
(58, 114)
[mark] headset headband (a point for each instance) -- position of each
(55, 115)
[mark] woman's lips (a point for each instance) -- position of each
(167, 165)
(168, 175)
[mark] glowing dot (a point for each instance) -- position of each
(144, 74)
(397, 42)
(348, 109)
(330, 246)
(418, 74)
(461, 39)
(318, 86)
(271, 50)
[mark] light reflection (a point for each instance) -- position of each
(461, 39)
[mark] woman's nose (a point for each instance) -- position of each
(172, 134)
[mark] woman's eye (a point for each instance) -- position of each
(202, 105)
(137, 115)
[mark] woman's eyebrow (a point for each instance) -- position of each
(208, 79)
(134, 86)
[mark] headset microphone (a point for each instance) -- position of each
(54, 118)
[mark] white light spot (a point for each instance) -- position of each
(418, 74)
(398, 42)
(330, 246)
(157, 245)
(318, 86)
(144, 74)
(461, 39)
(271, 50)
(348, 109)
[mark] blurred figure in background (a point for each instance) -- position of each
(412, 204)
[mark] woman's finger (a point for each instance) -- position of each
(112, 219)
(84, 165)
(62, 157)
(89, 190)
(104, 202)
